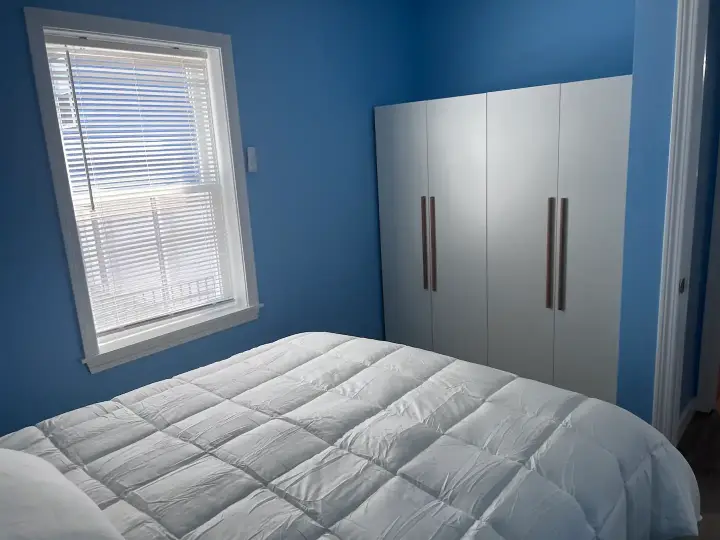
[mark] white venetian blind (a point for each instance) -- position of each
(141, 156)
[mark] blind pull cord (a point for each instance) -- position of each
(80, 129)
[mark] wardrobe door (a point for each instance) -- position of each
(522, 146)
(401, 149)
(456, 164)
(594, 136)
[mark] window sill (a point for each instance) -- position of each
(143, 342)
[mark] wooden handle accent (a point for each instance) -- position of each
(423, 224)
(433, 243)
(550, 256)
(562, 277)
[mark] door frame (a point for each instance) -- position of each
(690, 40)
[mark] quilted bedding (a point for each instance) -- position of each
(332, 437)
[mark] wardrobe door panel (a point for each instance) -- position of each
(457, 170)
(594, 137)
(401, 148)
(522, 146)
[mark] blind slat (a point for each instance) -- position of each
(141, 158)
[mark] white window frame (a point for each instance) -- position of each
(153, 337)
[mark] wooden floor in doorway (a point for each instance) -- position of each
(701, 447)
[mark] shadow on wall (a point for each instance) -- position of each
(476, 46)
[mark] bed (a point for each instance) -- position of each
(324, 436)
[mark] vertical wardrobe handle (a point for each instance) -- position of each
(562, 277)
(433, 243)
(550, 256)
(423, 224)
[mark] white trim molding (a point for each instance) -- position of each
(692, 23)
(202, 325)
(103, 352)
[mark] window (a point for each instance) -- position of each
(143, 135)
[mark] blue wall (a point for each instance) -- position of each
(707, 171)
(653, 73)
(308, 74)
(474, 46)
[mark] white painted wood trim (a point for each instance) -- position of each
(692, 19)
(685, 418)
(97, 26)
(202, 326)
(710, 344)
(152, 338)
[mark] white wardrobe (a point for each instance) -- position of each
(502, 219)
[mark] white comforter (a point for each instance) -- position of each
(333, 437)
